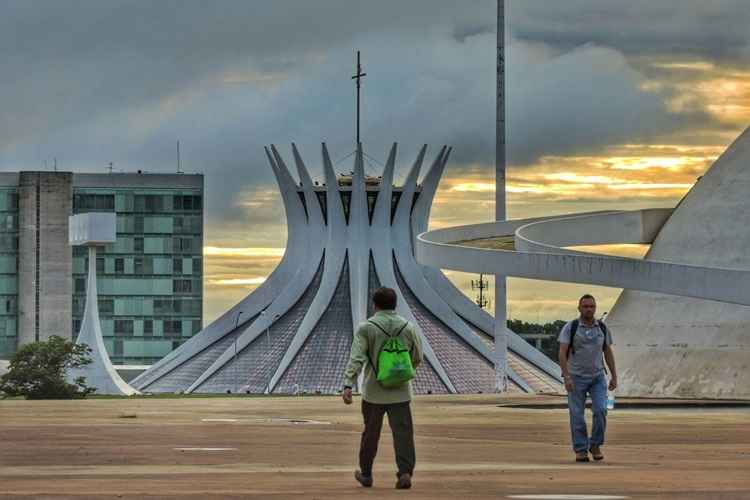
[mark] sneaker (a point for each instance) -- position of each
(596, 452)
(582, 456)
(404, 481)
(365, 481)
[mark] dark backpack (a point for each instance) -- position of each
(574, 329)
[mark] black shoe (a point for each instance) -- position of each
(365, 481)
(404, 481)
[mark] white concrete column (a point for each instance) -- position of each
(501, 338)
(100, 373)
(92, 229)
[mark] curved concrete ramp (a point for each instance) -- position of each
(686, 333)
(669, 346)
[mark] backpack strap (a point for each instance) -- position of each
(386, 333)
(573, 330)
(605, 331)
(369, 354)
(401, 329)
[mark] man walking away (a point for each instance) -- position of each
(583, 344)
(389, 350)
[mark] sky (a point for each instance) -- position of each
(611, 105)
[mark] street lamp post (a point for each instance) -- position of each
(268, 335)
(234, 359)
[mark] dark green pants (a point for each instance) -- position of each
(399, 419)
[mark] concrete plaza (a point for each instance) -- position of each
(257, 447)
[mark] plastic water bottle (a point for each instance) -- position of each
(610, 401)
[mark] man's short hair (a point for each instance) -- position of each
(384, 298)
(584, 297)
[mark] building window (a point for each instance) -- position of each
(149, 203)
(148, 328)
(100, 265)
(138, 265)
(8, 243)
(164, 306)
(139, 203)
(8, 223)
(154, 203)
(106, 306)
(177, 266)
(118, 348)
(12, 202)
(148, 265)
(138, 245)
(80, 285)
(78, 305)
(98, 202)
(119, 265)
(182, 286)
(172, 328)
(182, 245)
(187, 202)
(195, 307)
(138, 224)
(124, 327)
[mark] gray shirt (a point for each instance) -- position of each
(588, 359)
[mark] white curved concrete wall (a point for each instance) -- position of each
(694, 342)
(670, 346)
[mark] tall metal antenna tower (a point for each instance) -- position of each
(111, 165)
(501, 339)
(480, 285)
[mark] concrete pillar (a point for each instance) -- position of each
(45, 267)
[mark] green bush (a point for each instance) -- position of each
(37, 370)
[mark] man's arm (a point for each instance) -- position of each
(609, 358)
(357, 360)
(562, 355)
(416, 354)
(565, 339)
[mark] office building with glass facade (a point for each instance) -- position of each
(150, 282)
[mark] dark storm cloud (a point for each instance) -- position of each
(717, 29)
(92, 82)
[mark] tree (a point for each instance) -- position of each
(38, 370)
(550, 347)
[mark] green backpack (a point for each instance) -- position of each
(394, 367)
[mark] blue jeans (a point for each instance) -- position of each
(597, 388)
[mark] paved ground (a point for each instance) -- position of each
(467, 448)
